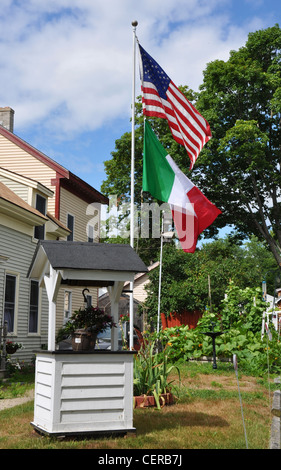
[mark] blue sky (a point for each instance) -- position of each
(66, 65)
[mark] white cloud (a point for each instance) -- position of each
(68, 64)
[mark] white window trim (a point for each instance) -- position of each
(67, 291)
(17, 276)
(36, 194)
(38, 333)
(88, 232)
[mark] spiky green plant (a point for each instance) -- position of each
(152, 370)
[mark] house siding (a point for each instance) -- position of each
(15, 224)
(15, 159)
(18, 188)
(71, 204)
(19, 248)
(18, 160)
(139, 288)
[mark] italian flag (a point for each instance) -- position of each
(192, 211)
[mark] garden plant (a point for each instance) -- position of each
(240, 321)
(152, 370)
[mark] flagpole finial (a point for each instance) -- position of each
(134, 24)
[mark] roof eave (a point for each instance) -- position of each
(33, 151)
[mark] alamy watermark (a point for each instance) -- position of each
(114, 220)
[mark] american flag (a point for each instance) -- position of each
(161, 98)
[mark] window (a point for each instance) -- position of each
(89, 300)
(39, 231)
(33, 307)
(10, 301)
(70, 225)
(90, 233)
(67, 305)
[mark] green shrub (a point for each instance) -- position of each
(242, 306)
(254, 354)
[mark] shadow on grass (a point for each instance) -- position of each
(160, 421)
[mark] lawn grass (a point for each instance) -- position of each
(207, 415)
(18, 383)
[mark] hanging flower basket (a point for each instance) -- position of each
(84, 326)
(11, 347)
(124, 318)
(83, 340)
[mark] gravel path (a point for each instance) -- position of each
(10, 402)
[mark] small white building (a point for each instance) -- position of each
(79, 391)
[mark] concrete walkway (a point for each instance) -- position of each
(10, 402)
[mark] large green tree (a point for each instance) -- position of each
(239, 169)
(185, 276)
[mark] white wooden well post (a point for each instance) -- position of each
(81, 392)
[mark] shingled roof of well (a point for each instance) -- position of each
(94, 256)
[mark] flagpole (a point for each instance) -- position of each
(160, 275)
(134, 24)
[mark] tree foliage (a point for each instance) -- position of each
(240, 166)
(185, 276)
(242, 306)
